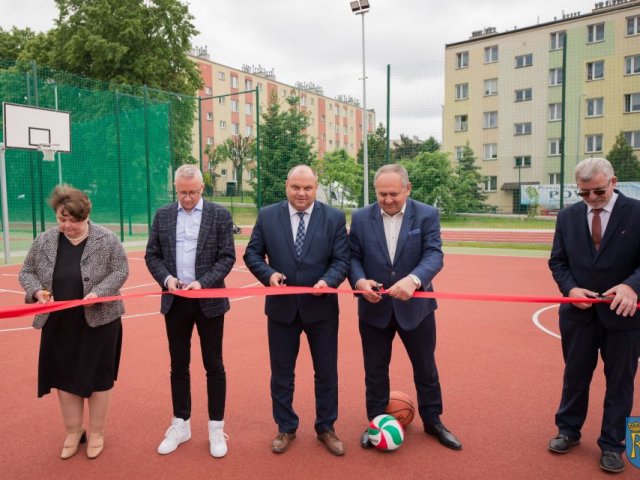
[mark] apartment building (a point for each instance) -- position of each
(228, 108)
(503, 95)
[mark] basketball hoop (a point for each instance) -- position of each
(48, 151)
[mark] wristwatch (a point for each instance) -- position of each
(416, 280)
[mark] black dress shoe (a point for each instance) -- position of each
(611, 462)
(364, 440)
(444, 436)
(561, 444)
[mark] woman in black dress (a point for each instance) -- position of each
(79, 347)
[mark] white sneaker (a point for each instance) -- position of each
(179, 432)
(217, 439)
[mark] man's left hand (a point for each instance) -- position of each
(625, 301)
(195, 285)
(320, 284)
(403, 289)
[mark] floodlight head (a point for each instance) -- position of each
(355, 6)
(364, 4)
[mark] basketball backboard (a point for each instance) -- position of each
(29, 127)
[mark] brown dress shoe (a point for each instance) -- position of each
(332, 442)
(282, 441)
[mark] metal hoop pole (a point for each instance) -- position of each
(5, 207)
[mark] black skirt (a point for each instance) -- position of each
(75, 357)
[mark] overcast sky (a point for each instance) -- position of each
(321, 42)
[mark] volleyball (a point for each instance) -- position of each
(386, 433)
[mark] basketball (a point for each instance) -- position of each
(386, 433)
(401, 407)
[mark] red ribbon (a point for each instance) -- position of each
(39, 308)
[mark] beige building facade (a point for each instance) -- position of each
(503, 95)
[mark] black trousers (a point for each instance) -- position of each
(619, 350)
(284, 345)
(420, 345)
(183, 315)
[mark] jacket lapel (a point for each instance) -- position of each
(614, 219)
(378, 231)
(206, 222)
(171, 232)
(285, 221)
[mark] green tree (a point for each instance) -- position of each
(376, 155)
(624, 161)
(431, 145)
(239, 150)
(14, 41)
(431, 180)
(283, 145)
(467, 191)
(340, 178)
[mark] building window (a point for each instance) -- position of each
(633, 25)
(462, 91)
(522, 161)
(522, 128)
(234, 105)
(491, 184)
(595, 107)
(210, 116)
(632, 102)
(555, 76)
(555, 112)
(248, 84)
(303, 101)
(220, 75)
(223, 172)
(461, 123)
(209, 140)
(490, 151)
(248, 108)
(234, 81)
(222, 124)
(490, 120)
(594, 143)
(557, 40)
(632, 65)
(235, 129)
(459, 152)
(595, 70)
(554, 178)
(523, 95)
(248, 131)
(524, 60)
(462, 60)
(633, 138)
(222, 100)
(554, 146)
(595, 32)
(207, 90)
(491, 54)
(491, 86)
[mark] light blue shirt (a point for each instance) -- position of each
(295, 219)
(187, 230)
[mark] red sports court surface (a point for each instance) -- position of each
(501, 377)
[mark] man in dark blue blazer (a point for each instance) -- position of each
(395, 244)
(596, 252)
(191, 247)
(301, 242)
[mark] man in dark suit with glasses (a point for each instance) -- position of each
(596, 253)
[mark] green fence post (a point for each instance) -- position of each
(259, 180)
(120, 189)
(562, 125)
(388, 152)
(146, 150)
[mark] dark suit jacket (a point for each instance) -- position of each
(575, 262)
(325, 256)
(215, 253)
(418, 252)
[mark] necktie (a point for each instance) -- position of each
(300, 235)
(596, 227)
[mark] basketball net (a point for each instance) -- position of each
(48, 151)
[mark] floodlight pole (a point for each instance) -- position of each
(5, 208)
(359, 9)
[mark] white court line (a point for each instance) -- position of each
(9, 274)
(140, 286)
(536, 320)
(11, 291)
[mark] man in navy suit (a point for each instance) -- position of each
(306, 245)
(596, 252)
(191, 247)
(395, 244)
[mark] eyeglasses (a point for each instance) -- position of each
(192, 194)
(598, 191)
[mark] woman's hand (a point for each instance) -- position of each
(89, 296)
(43, 296)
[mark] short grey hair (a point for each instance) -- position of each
(302, 167)
(188, 170)
(394, 168)
(590, 167)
